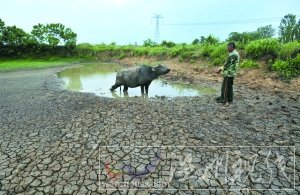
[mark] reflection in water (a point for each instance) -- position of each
(125, 95)
(98, 78)
(73, 82)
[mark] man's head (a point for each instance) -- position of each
(231, 46)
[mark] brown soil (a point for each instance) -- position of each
(256, 79)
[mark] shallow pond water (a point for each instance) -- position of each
(98, 78)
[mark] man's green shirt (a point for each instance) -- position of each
(231, 66)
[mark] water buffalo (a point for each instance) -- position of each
(139, 76)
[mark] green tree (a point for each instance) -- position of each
(244, 37)
(167, 44)
(288, 28)
(13, 36)
(2, 24)
(210, 40)
(149, 43)
(2, 27)
(265, 32)
(202, 39)
(39, 33)
(69, 37)
(54, 34)
(236, 37)
(297, 31)
(195, 42)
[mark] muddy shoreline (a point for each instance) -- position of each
(201, 72)
(51, 138)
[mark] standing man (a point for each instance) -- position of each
(229, 72)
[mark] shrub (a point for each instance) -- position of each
(249, 64)
(84, 46)
(187, 54)
(192, 61)
(149, 43)
(282, 67)
(295, 66)
(206, 50)
(157, 51)
(219, 54)
(140, 51)
(262, 48)
(174, 52)
(168, 44)
(122, 55)
(287, 69)
(289, 50)
(218, 62)
(196, 55)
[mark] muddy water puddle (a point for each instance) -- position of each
(98, 78)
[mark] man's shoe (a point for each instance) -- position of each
(220, 100)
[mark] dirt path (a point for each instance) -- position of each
(58, 142)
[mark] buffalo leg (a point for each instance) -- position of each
(115, 86)
(147, 87)
(125, 90)
(142, 89)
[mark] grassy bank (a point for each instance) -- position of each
(31, 63)
(283, 58)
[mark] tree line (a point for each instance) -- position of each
(288, 31)
(47, 39)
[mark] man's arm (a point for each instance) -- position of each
(218, 71)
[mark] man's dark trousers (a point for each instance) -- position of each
(227, 89)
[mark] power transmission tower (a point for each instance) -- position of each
(157, 32)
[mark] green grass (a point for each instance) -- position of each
(17, 64)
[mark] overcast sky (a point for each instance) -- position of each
(130, 21)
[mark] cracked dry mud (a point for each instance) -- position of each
(59, 142)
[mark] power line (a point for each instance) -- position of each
(134, 35)
(245, 21)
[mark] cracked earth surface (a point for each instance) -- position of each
(59, 142)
